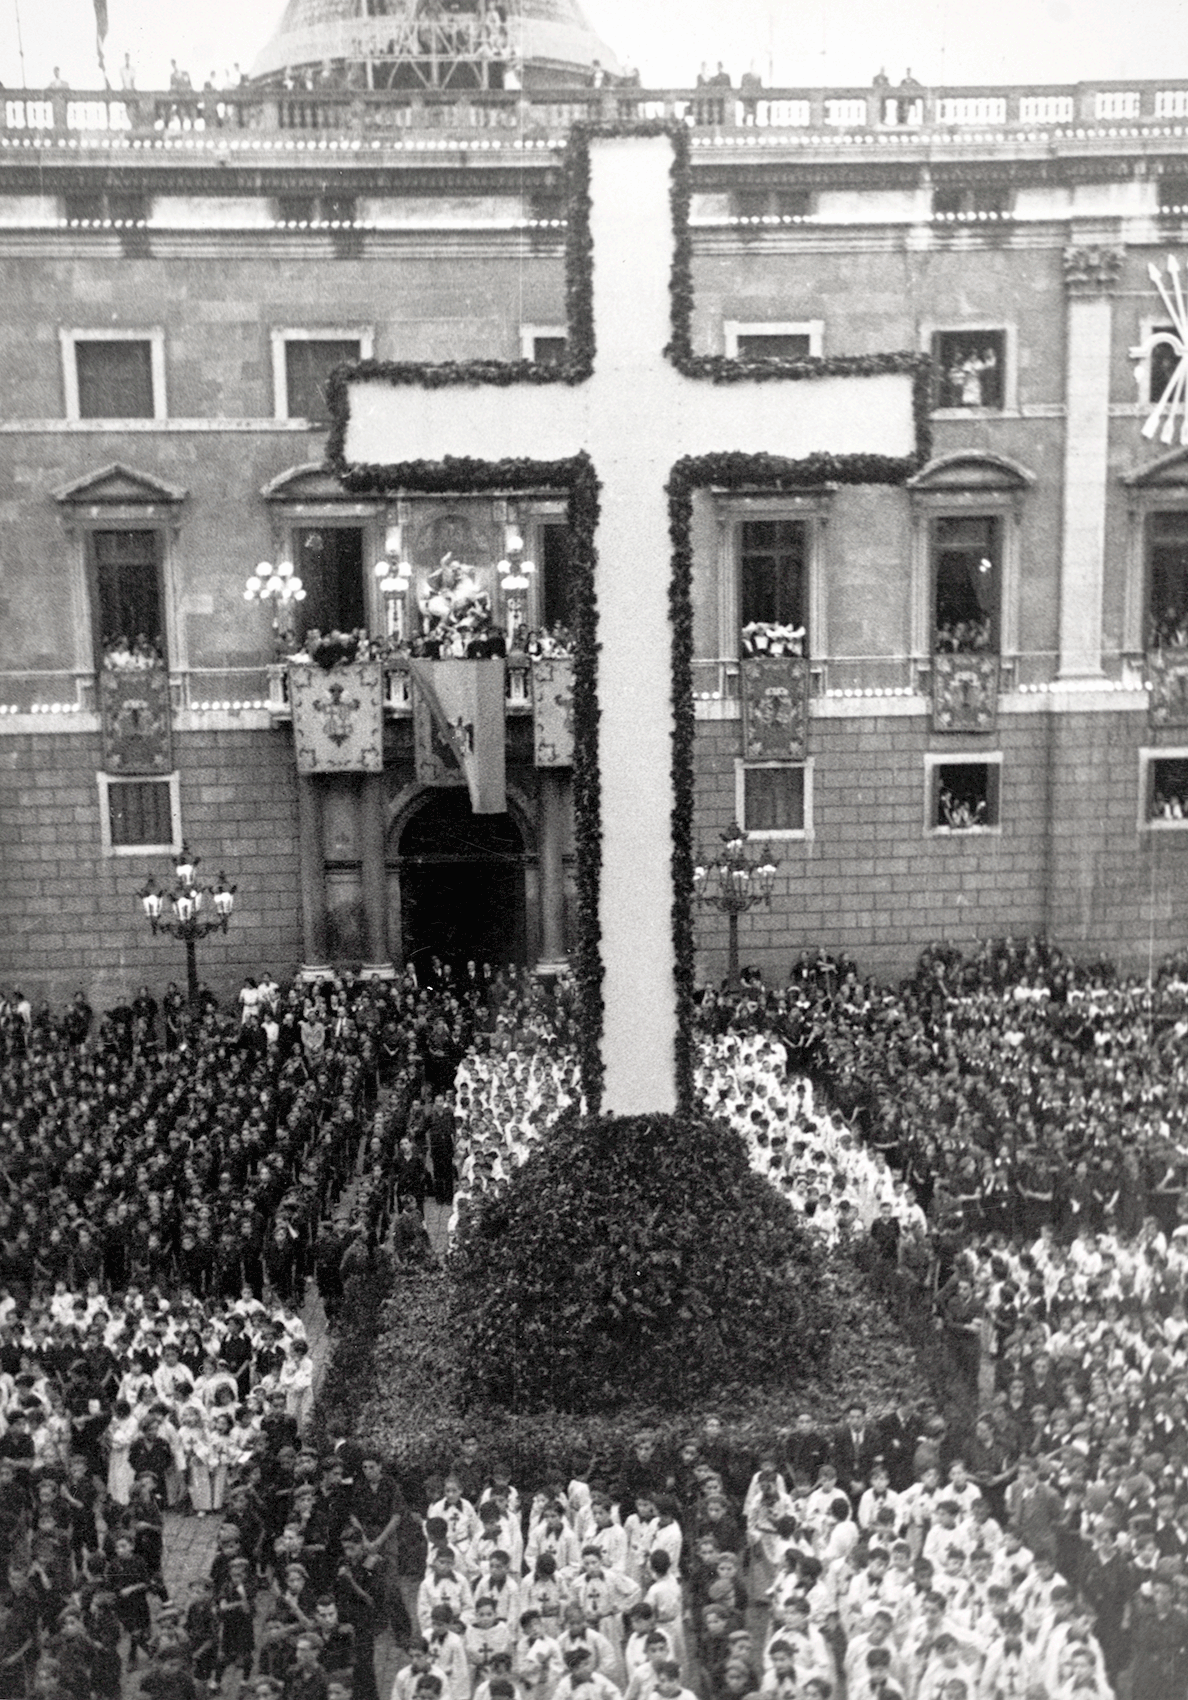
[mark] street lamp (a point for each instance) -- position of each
(394, 573)
(279, 584)
(515, 577)
(732, 882)
(185, 919)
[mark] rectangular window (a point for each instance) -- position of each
(126, 567)
(966, 555)
(1167, 580)
(773, 799)
(340, 209)
(773, 575)
(309, 362)
(760, 346)
(773, 339)
(329, 561)
(772, 203)
(549, 350)
(140, 812)
(964, 796)
(970, 368)
(1167, 798)
(136, 815)
(115, 378)
(1173, 195)
(556, 577)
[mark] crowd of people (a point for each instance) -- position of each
(1003, 1127)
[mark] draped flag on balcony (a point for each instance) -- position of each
(775, 707)
(135, 715)
(465, 700)
(552, 710)
(338, 717)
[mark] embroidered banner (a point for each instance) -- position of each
(136, 718)
(964, 693)
(1167, 681)
(775, 707)
(466, 702)
(552, 710)
(338, 722)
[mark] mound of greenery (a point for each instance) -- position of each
(635, 1259)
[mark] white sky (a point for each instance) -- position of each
(800, 41)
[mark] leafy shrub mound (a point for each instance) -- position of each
(635, 1259)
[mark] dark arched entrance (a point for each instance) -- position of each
(462, 895)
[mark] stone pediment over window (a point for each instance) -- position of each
(310, 482)
(120, 486)
(969, 470)
(1168, 472)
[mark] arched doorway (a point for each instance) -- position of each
(462, 884)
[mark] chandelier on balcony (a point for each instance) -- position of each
(732, 882)
(281, 585)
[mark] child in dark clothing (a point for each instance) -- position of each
(103, 1627)
(128, 1579)
(202, 1626)
(145, 1516)
(306, 1679)
(235, 1604)
(75, 1653)
(79, 1495)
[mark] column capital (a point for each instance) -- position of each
(1092, 269)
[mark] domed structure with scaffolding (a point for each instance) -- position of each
(435, 44)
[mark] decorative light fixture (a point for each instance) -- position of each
(185, 920)
(732, 882)
(394, 573)
(279, 584)
(515, 579)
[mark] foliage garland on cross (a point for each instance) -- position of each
(577, 476)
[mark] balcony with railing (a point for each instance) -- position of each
(335, 119)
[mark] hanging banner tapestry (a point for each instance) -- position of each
(338, 717)
(136, 719)
(552, 710)
(435, 759)
(466, 701)
(1167, 681)
(775, 707)
(964, 693)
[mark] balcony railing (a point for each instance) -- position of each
(334, 117)
(398, 689)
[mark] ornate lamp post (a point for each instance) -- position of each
(515, 577)
(279, 584)
(394, 573)
(732, 882)
(185, 920)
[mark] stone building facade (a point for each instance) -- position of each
(996, 732)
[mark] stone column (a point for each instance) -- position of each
(313, 879)
(1090, 274)
(372, 823)
(550, 829)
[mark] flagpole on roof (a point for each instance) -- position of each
(16, 6)
(100, 33)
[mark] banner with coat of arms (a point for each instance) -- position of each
(136, 718)
(338, 717)
(964, 692)
(552, 710)
(774, 707)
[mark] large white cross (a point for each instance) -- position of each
(635, 416)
